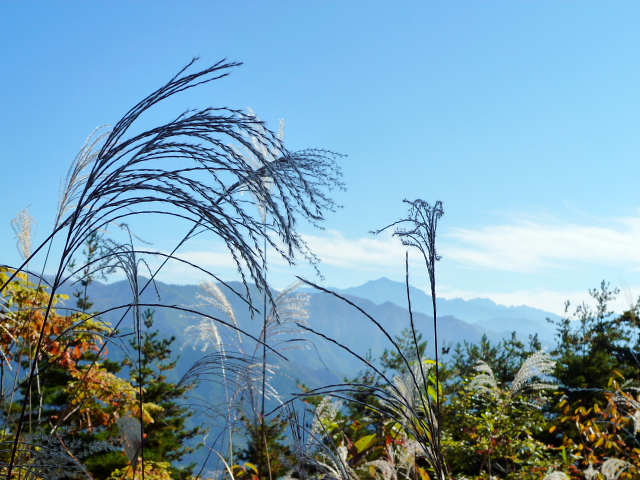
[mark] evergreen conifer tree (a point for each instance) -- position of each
(165, 438)
(266, 445)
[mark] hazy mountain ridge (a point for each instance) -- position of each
(322, 362)
(383, 290)
(498, 321)
(382, 299)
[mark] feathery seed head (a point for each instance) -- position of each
(73, 184)
(590, 473)
(24, 226)
(386, 469)
(326, 412)
(556, 476)
(613, 467)
(537, 365)
(214, 296)
(635, 418)
(484, 381)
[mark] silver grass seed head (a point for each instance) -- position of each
(288, 310)
(24, 226)
(635, 418)
(214, 296)
(343, 453)
(556, 476)
(76, 176)
(613, 467)
(291, 307)
(484, 381)
(326, 411)
(206, 333)
(251, 382)
(590, 473)
(407, 454)
(537, 365)
(410, 386)
(387, 469)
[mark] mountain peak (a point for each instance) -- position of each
(385, 290)
(380, 281)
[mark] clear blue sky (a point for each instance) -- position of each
(522, 117)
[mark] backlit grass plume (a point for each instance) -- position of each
(189, 169)
(24, 226)
(537, 365)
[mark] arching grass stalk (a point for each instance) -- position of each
(249, 387)
(404, 399)
(404, 402)
(422, 221)
(121, 175)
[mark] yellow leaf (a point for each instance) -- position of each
(366, 442)
(423, 474)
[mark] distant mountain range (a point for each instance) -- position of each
(385, 290)
(481, 312)
(384, 300)
(322, 362)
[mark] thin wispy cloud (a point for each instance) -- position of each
(332, 248)
(366, 253)
(526, 246)
(530, 246)
(376, 256)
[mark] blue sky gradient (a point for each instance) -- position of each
(522, 117)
